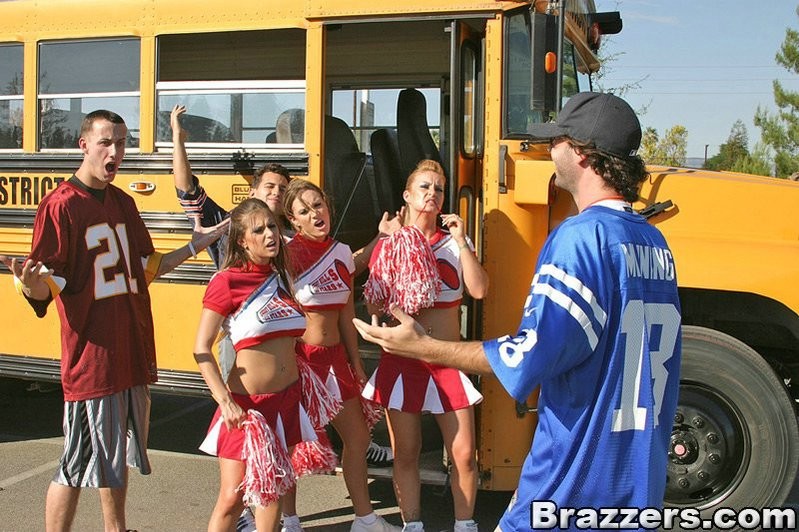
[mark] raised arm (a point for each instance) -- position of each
(180, 159)
(475, 278)
(386, 227)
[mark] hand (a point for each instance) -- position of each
(233, 415)
(405, 339)
(455, 225)
(174, 121)
(202, 237)
(31, 274)
(388, 226)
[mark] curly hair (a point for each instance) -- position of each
(236, 255)
(624, 175)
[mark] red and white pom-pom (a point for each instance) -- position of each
(405, 273)
(372, 411)
(316, 399)
(314, 457)
(269, 473)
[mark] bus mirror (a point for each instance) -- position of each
(532, 182)
(544, 48)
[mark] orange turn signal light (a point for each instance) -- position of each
(550, 62)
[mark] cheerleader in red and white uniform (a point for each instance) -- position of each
(260, 415)
(405, 387)
(323, 270)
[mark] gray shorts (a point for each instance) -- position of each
(102, 437)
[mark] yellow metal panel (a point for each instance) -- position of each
(147, 96)
(531, 182)
(315, 99)
(723, 240)
(30, 104)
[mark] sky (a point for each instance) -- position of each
(702, 64)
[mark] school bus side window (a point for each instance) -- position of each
(10, 96)
(78, 77)
(246, 90)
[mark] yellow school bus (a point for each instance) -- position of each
(351, 93)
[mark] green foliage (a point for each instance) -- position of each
(668, 151)
(757, 163)
(780, 131)
(735, 149)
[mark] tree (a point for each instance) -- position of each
(735, 149)
(781, 130)
(734, 154)
(758, 162)
(668, 151)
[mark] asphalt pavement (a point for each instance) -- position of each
(181, 491)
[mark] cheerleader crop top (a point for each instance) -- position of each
(450, 269)
(256, 304)
(324, 270)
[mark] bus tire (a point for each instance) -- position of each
(735, 438)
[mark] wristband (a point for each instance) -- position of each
(192, 250)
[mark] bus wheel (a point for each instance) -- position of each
(735, 441)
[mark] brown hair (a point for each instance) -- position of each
(295, 189)
(100, 114)
(269, 168)
(624, 175)
(236, 255)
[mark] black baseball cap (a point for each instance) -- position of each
(603, 119)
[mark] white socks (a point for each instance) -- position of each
(368, 519)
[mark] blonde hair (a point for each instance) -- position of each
(425, 165)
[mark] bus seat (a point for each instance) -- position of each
(290, 127)
(389, 180)
(352, 196)
(413, 133)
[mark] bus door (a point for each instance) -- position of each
(465, 140)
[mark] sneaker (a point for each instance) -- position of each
(246, 522)
(380, 525)
(291, 525)
(413, 526)
(379, 456)
(465, 526)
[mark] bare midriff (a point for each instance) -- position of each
(321, 328)
(268, 367)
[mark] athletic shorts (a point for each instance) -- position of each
(414, 386)
(331, 365)
(103, 437)
(283, 413)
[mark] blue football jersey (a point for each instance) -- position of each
(601, 334)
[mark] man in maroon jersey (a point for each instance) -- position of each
(93, 255)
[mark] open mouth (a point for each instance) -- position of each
(110, 168)
(319, 224)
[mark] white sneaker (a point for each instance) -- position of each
(246, 521)
(469, 526)
(379, 456)
(380, 525)
(413, 526)
(291, 525)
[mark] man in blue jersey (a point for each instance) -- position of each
(600, 333)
